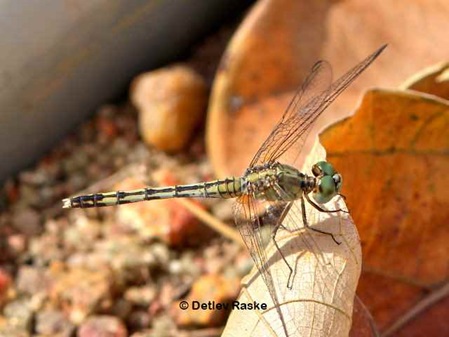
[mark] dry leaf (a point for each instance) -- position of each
(320, 302)
(363, 324)
(265, 57)
(433, 80)
(268, 58)
(280, 40)
(393, 155)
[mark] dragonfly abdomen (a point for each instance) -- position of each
(225, 188)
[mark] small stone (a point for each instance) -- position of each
(141, 296)
(82, 234)
(11, 190)
(171, 102)
(76, 182)
(146, 333)
(127, 256)
(27, 221)
(19, 314)
(138, 320)
(45, 248)
(102, 326)
(165, 219)
(81, 291)
(121, 308)
(31, 280)
(8, 330)
(51, 322)
(105, 124)
(5, 284)
(185, 266)
(164, 326)
(208, 288)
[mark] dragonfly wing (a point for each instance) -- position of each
(311, 99)
(305, 102)
(308, 275)
(322, 275)
(255, 224)
(325, 274)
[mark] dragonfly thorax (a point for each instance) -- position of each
(277, 182)
(283, 182)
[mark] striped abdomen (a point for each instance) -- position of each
(226, 188)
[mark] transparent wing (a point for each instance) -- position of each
(325, 274)
(298, 117)
(321, 287)
(311, 99)
(255, 222)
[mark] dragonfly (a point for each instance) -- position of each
(271, 185)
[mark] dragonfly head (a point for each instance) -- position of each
(328, 182)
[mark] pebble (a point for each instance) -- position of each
(27, 221)
(45, 248)
(68, 266)
(5, 284)
(7, 330)
(207, 288)
(185, 266)
(164, 326)
(105, 124)
(171, 102)
(13, 245)
(52, 322)
(147, 333)
(80, 291)
(19, 314)
(121, 308)
(102, 326)
(128, 257)
(140, 296)
(11, 191)
(82, 234)
(76, 182)
(32, 280)
(29, 195)
(138, 320)
(167, 219)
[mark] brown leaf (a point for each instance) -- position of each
(393, 155)
(433, 80)
(280, 40)
(262, 59)
(362, 322)
(319, 301)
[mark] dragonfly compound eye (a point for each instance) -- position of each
(316, 170)
(326, 190)
(338, 180)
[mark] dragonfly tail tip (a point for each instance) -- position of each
(66, 203)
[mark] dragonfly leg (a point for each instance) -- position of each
(306, 224)
(273, 236)
(321, 209)
(343, 196)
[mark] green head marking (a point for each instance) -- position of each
(329, 182)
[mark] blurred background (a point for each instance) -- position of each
(115, 95)
(64, 59)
